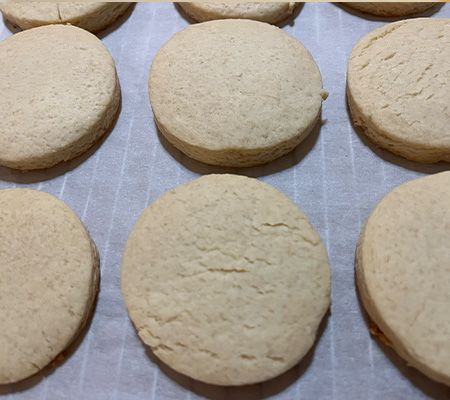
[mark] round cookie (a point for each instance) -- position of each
(226, 280)
(90, 16)
(264, 12)
(49, 281)
(60, 94)
(235, 92)
(390, 9)
(403, 272)
(398, 88)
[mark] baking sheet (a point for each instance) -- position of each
(335, 176)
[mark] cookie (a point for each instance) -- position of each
(60, 94)
(398, 88)
(390, 9)
(226, 280)
(403, 272)
(264, 12)
(90, 16)
(49, 281)
(235, 92)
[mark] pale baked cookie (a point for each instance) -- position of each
(398, 88)
(226, 280)
(235, 92)
(49, 280)
(59, 95)
(264, 12)
(390, 9)
(90, 16)
(403, 272)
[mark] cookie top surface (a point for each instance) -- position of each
(403, 272)
(391, 9)
(234, 87)
(399, 87)
(49, 277)
(264, 12)
(226, 280)
(90, 16)
(59, 90)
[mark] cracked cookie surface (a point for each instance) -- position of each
(398, 88)
(403, 272)
(235, 92)
(226, 280)
(49, 280)
(90, 16)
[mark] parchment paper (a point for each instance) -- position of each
(336, 177)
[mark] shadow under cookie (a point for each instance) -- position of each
(257, 391)
(287, 161)
(371, 17)
(435, 390)
(45, 174)
(393, 158)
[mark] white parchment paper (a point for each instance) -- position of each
(335, 177)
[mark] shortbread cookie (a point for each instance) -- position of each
(59, 95)
(226, 280)
(398, 88)
(387, 9)
(235, 92)
(49, 279)
(403, 272)
(90, 16)
(264, 12)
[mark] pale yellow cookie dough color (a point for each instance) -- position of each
(49, 279)
(59, 95)
(398, 88)
(403, 272)
(235, 92)
(90, 16)
(264, 12)
(226, 280)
